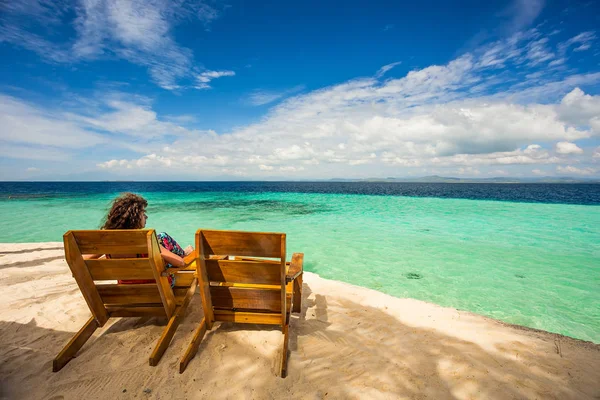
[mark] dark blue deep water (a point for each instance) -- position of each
(583, 194)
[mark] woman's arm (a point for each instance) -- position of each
(171, 258)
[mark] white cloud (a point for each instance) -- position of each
(205, 77)
(19, 18)
(206, 13)
(583, 47)
(113, 164)
(181, 119)
(386, 68)
(32, 169)
(262, 97)
(537, 172)
(579, 108)
(32, 152)
(24, 123)
(582, 42)
(378, 128)
(532, 154)
(568, 148)
(558, 62)
(139, 31)
(574, 170)
(523, 13)
(129, 118)
(128, 122)
(477, 111)
(291, 169)
(468, 171)
(539, 52)
(148, 161)
(595, 125)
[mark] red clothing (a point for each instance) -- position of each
(134, 281)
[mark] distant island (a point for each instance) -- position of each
(443, 179)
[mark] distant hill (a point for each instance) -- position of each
(442, 179)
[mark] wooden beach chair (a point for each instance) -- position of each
(106, 299)
(244, 278)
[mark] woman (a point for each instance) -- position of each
(128, 211)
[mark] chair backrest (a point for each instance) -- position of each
(134, 254)
(242, 271)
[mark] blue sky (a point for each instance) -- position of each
(157, 89)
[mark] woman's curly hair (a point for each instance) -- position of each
(126, 212)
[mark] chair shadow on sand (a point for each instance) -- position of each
(32, 263)
(29, 251)
(334, 352)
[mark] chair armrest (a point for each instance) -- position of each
(188, 260)
(296, 267)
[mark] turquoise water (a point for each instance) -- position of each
(532, 264)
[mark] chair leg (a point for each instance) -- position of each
(169, 331)
(297, 303)
(74, 344)
(284, 356)
(165, 338)
(193, 346)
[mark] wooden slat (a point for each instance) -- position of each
(188, 267)
(250, 310)
(203, 283)
(248, 317)
(235, 243)
(147, 311)
(115, 242)
(120, 268)
(83, 279)
(246, 285)
(243, 272)
(283, 281)
(162, 282)
(184, 279)
(180, 293)
(257, 299)
(129, 294)
(265, 260)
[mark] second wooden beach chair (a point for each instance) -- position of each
(244, 278)
(107, 300)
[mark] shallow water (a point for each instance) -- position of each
(530, 263)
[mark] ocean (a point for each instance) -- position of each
(527, 254)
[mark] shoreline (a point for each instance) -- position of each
(57, 245)
(349, 341)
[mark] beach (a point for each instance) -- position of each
(348, 342)
(484, 250)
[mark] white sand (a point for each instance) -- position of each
(349, 342)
